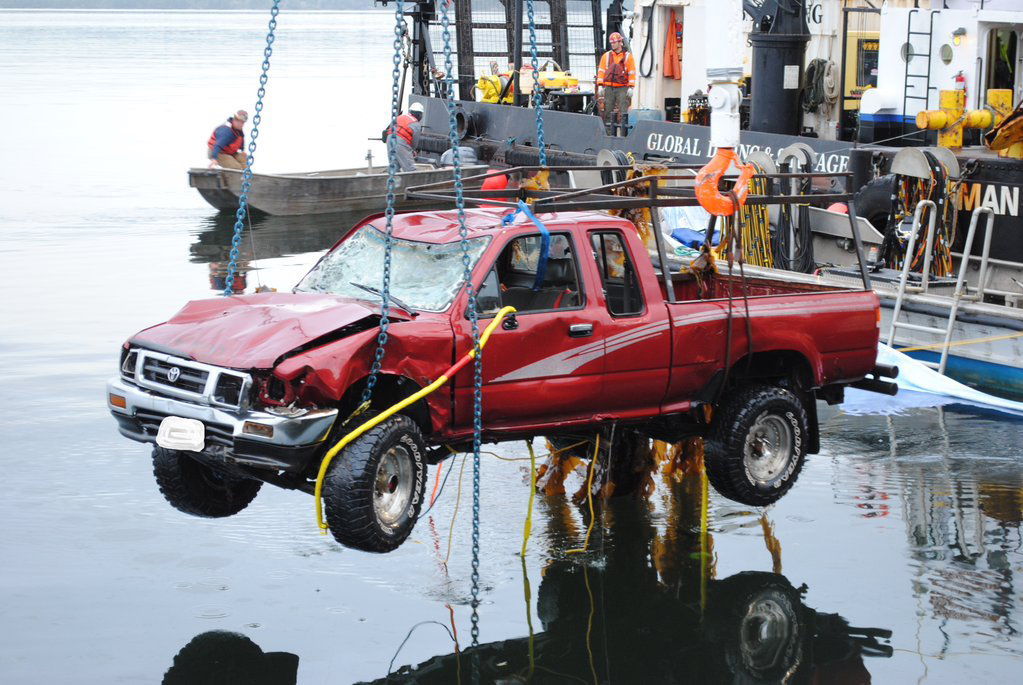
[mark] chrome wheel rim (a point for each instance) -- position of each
(768, 448)
(392, 489)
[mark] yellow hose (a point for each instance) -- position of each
(528, 527)
(388, 413)
(589, 499)
(960, 343)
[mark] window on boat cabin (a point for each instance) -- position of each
(617, 274)
(522, 280)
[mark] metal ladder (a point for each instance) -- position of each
(959, 292)
(908, 59)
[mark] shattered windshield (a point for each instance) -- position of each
(426, 276)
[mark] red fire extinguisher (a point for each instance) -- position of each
(959, 81)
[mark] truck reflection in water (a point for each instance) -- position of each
(220, 657)
(646, 607)
(651, 611)
(755, 629)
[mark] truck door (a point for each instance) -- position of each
(637, 335)
(546, 364)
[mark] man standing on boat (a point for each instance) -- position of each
(226, 145)
(616, 76)
(406, 132)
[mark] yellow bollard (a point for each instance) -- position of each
(979, 118)
(1000, 101)
(948, 120)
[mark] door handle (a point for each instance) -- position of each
(580, 330)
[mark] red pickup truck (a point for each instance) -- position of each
(244, 390)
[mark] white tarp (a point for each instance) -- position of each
(916, 376)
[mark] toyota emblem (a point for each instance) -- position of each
(173, 374)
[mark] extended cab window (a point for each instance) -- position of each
(513, 280)
(617, 274)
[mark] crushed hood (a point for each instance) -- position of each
(253, 331)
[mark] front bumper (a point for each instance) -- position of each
(292, 442)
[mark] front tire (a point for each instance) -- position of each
(375, 487)
(757, 444)
(197, 489)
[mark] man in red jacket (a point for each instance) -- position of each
(616, 76)
(406, 134)
(226, 145)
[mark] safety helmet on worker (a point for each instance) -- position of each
(615, 38)
(416, 110)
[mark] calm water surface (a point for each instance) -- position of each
(907, 525)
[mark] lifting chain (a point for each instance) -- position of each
(392, 170)
(243, 198)
(534, 59)
(477, 391)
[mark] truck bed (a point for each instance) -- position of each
(759, 281)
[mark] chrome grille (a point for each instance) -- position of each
(174, 375)
(188, 379)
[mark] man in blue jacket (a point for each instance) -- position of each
(226, 145)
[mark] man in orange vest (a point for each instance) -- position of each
(226, 145)
(406, 131)
(616, 75)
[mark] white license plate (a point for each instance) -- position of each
(179, 433)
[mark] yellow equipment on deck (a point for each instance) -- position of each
(556, 79)
(493, 86)
(953, 117)
(1007, 136)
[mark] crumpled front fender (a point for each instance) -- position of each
(420, 350)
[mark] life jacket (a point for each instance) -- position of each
(617, 70)
(234, 146)
(404, 127)
(496, 183)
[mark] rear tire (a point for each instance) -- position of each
(757, 444)
(194, 488)
(375, 487)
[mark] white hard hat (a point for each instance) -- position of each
(416, 107)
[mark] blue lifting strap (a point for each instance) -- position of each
(545, 240)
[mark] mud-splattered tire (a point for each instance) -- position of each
(757, 444)
(197, 489)
(374, 489)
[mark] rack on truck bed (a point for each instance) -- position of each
(673, 185)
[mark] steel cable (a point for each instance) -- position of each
(243, 198)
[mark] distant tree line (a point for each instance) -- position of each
(199, 4)
(187, 4)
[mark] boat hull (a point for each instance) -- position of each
(997, 379)
(985, 349)
(318, 192)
